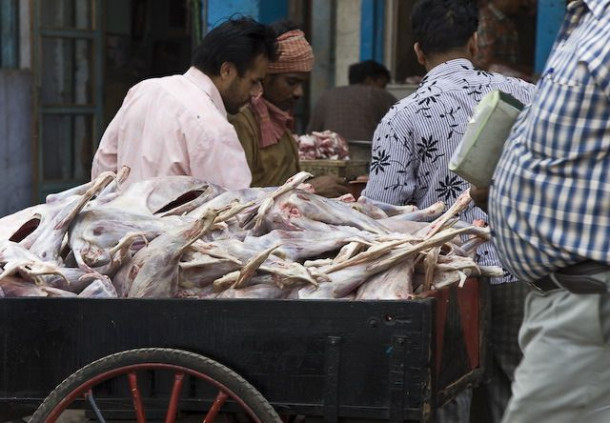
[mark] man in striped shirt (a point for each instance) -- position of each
(413, 145)
(549, 208)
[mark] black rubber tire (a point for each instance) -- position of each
(233, 382)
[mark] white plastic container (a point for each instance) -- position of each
(481, 146)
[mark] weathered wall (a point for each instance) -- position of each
(15, 140)
(348, 38)
(335, 38)
(323, 44)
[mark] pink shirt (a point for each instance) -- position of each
(176, 125)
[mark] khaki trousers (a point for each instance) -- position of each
(565, 372)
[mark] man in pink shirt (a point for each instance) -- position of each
(177, 125)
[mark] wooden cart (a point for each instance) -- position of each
(271, 360)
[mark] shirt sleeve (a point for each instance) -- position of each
(316, 120)
(393, 162)
(105, 158)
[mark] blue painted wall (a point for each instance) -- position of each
(219, 10)
(549, 17)
(273, 10)
(265, 11)
(372, 28)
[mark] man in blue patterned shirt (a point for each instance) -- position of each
(549, 208)
(413, 145)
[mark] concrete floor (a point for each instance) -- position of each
(70, 416)
(78, 416)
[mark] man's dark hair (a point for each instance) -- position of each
(238, 41)
(283, 26)
(358, 72)
(440, 26)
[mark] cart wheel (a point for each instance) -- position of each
(151, 366)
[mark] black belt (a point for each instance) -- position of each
(578, 279)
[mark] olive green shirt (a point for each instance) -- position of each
(272, 165)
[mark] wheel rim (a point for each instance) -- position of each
(85, 391)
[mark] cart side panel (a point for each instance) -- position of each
(321, 357)
(461, 322)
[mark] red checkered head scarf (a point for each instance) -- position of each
(294, 53)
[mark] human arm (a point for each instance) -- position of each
(329, 185)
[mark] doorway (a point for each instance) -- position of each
(88, 53)
(146, 39)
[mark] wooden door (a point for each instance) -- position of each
(68, 68)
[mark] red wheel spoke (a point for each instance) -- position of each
(171, 370)
(137, 397)
(221, 398)
(173, 401)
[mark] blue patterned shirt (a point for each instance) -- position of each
(550, 201)
(414, 142)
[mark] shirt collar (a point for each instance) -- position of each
(203, 82)
(597, 7)
(448, 68)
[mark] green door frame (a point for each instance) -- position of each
(95, 35)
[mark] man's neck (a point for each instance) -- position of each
(436, 59)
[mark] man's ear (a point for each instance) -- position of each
(419, 53)
(227, 70)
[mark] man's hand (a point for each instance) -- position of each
(329, 186)
(480, 197)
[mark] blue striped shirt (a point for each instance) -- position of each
(550, 201)
(414, 142)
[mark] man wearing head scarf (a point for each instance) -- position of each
(264, 126)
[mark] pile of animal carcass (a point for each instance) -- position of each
(180, 237)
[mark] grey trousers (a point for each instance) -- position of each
(565, 372)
